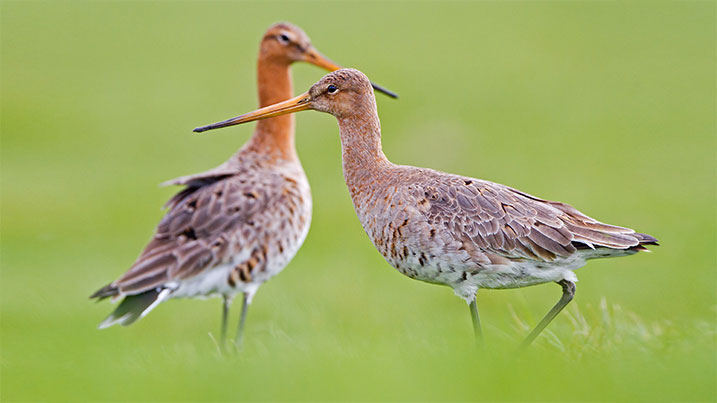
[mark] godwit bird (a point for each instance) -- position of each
(448, 229)
(235, 226)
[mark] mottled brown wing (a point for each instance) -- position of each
(494, 218)
(203, 227)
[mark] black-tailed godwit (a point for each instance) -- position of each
(235, 226)
(449, 229)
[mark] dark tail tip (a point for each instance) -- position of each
(107, 291)
(645, 239)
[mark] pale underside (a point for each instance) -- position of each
(468, 233)
(230, 230)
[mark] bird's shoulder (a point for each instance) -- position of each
(490, 217)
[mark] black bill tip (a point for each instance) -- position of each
(384, 90)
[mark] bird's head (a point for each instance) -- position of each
(342, 93)
(285, 43)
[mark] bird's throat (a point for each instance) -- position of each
(362, 154)
(274, 136)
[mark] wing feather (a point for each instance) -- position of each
(193, 234)
(506, 222)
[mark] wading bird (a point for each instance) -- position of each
(235, 226)
(448, 229)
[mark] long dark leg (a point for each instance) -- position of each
(225, 319)
(476, 322)
(568, 293)
(240, 330)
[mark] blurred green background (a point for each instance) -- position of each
(609, 106)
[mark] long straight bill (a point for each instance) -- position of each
(384, 90)
(296, 104)
(314, 57)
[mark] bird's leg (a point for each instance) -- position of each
(225, 318)
(476, 322)
(568, 293)
(240, 330)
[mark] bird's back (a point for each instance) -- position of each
(442, 228)
(230, 228)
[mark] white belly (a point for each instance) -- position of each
(517, 274)
(211, 282)
(214, 282)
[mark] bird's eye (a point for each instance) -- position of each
(284, 39)
(331, 89)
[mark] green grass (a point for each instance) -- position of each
(609, 106)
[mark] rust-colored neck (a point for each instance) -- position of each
(274, 136)
(363, 156)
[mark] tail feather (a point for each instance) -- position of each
(614, 240)
(640, 240)
(645, 239)
(110, 290)
(134, 307)
(589, 233)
